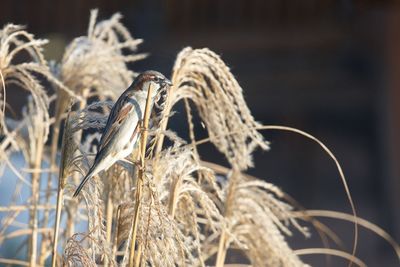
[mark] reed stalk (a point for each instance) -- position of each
(115, 241)
(60, 187)
(53, 166)
(222, 248)
(173, 196)
(73, 205)
(35, 199)
(221, 254)
(109, 216)
(57, 225)
(134, 259)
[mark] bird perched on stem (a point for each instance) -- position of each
(123, 125)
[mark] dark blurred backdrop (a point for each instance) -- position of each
(331, 68)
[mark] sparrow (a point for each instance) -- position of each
(123, 125)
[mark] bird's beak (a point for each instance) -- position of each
(166, 82)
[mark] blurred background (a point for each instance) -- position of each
(330, 68)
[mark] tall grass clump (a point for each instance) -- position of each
(166, 205)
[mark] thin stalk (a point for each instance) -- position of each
(11, 262)
(3, 83)
(22, 232)
(53, 166)
(139, 183)
(173, 196)
(35, 199)
(191, 128)
(70, 225)
(163, 127)
(60, 188)
(109, 214)
(73, 205)
(135, 221)
(115, 243)
(24, 208)
(334, 252)
(60, 193)
(222, 248)
(138, 259)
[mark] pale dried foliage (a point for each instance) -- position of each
(201, 76)
(191, 212)
(75, 254)
(96, 62)
(258, 219)
(17, 44)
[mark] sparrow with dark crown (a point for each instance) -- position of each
(123, 125)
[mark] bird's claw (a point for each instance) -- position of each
(139, 166)
(143, 129)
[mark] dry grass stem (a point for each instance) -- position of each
(347, 217)
(66, 153)
(333, 252)
(134, 260)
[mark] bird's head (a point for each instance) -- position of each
(151, 78)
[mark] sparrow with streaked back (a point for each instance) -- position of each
(123, 125)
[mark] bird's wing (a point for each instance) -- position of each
(118, 114)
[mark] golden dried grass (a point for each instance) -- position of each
(184, 211)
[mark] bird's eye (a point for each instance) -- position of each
(156, 79)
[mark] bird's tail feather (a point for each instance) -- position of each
(89, 175)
